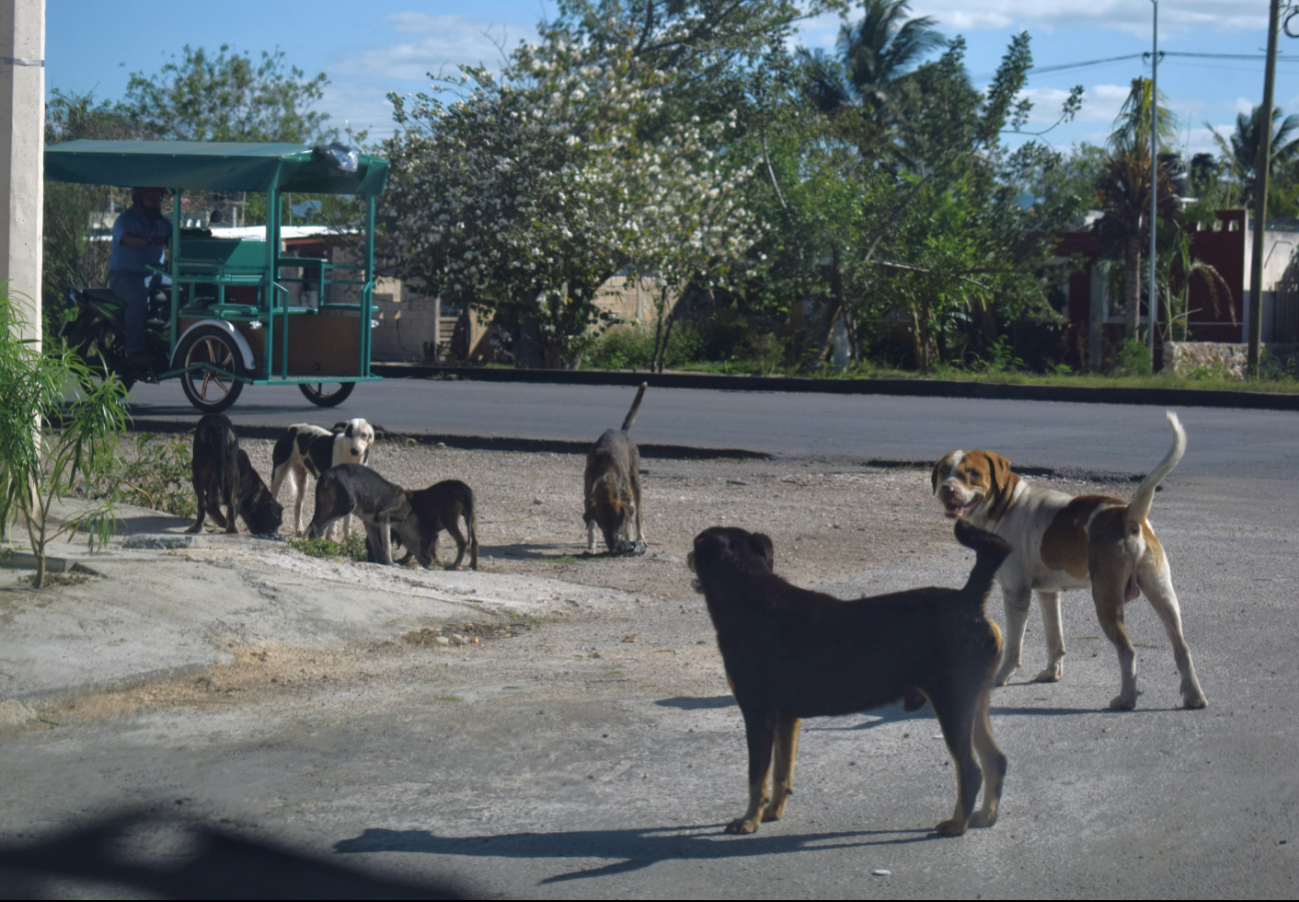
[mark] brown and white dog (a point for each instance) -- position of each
(305, 448)
(1064, 542)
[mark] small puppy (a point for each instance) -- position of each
(612, 486)
(440, 507)
(381, 506)
(311, 449)
(1064, 542)
(791, 653)
(214, 469)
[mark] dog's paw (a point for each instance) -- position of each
(743, 826)
(1052, 674)
(195, 528)
(982, 819)
(1123, 703)
(1194, 700)
(1003, 676)
(950, 827)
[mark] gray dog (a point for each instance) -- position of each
(382, 506)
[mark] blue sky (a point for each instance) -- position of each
(368, 49)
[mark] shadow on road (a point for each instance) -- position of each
(686, 703)
(634, 849)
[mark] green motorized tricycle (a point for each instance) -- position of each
(232, 310)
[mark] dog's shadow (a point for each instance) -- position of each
(632, 850)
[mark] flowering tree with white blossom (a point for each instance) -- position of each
(524, 193)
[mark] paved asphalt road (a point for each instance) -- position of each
(1101, 438)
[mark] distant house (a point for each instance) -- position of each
(1091, 296)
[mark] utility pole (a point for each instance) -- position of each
(1261, 166)
(22, 148)
(1154, 182)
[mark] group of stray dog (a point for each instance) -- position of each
(337, 457)
(788, 652)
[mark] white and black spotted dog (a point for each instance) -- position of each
(305, 448)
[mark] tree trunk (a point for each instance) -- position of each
(1132, 285)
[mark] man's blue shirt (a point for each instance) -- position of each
(137, 259)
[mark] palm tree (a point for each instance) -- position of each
(871, 57)
(1124, 191)
(1240, 152)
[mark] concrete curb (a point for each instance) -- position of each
(928, 388)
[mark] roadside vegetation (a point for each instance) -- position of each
(846, 211)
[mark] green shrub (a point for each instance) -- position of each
(627, 347)
(1132, 358)
(153, 473)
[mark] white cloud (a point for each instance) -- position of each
(1200, 140)
(437, 44)
(1120, 15)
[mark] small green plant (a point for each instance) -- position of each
(59, 423)
(352, 548)
(1132, 358)
(155, 473)
(1001, 357)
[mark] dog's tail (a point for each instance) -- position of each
(990, 551)
(635, 407)
(1139, 506)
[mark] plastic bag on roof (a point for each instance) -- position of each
(338, 157)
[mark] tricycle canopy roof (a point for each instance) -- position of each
(214, 165)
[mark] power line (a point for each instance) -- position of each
(1131, 56)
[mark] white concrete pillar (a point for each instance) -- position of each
(22, 157)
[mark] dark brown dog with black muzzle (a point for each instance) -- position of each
(223, 474)
(791, 653)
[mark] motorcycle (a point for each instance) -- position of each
(98, 332)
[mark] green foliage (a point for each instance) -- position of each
(228, 97)
(49, 446)
(627, 347)
(353, 548)
(153, 472)
(1132, 358)
(1001, 358)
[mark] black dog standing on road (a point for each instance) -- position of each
(439, 507)
(791, 653)
(612, 486)
(381, 506)
(223, 474)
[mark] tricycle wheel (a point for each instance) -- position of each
(208, 390)
(326, 394)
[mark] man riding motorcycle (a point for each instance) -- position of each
(140, 236)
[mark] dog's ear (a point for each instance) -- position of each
(340, 426)
(1001, 475)
(1003, 484)
(761, 545)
